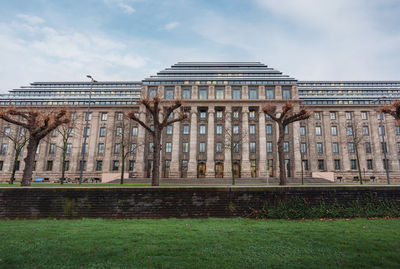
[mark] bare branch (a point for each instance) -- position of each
(133, 117)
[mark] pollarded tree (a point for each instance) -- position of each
(39, 124)
(284, 118)
(393, 110)
(154, 107)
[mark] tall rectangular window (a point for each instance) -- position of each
(365, 130)
(286, 129)
(252, 129)
(186, 93)
(117, 148)
(269, 93)
(349, 130)
(115, 165)
(351, 147)
(317, 115)
(49, 166)
(100, 148)
(321, 165)
(336, 164)
(185, 147)
(385, 164)
(3, 150)
(381, 130)
(168, 147)
(302, 130)
(131, 165)
(85, 148)
(286, 93)
(397, 130)
(120, 116)
(151, 147)
(367, 147)
(118, 131)
(88, 117)
(268, 129)
(220, 93)
(70, 132)
(349, 115)
(68, 148)
(269, 146)
(219, 129)
(203, 93)
(285, 146)
(334, 130)
(320, 149)
(252, 147)
(353, 165)
(169, 129)
(86, 131)
(186, 129)
(236, 147)
(52, 148)
(236, 93)
(103, 116)
(333, 115)
(152, 92)
(169, 93)
(303, 148)
(219, 114)
(369, 164)
(335, 147)
(384, 147)
(202, 147)
(253, 93)
(364, 115)
(202, 129)
(318, 130)
(235, 129)
(218, 147)
(134, 131)
(133, 148)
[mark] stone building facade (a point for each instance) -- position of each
(225, 125)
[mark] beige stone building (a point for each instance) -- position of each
(225, 124)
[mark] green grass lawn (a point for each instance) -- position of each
(199, 243)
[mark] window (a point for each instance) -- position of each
(151, 148)
(353, 164)
(7, 131)
(22, 132)
(317, 115)
(252, 114)
(203, 93)
(169, 93)
(115, 165)
(235, 114)
(120, 115)
(70, 132)
(99, 165)
(203, 114)
(117, 148)
(152, 127)
(305, 164)
(320, 148)
(336, 164)
(103, 116)
(252, 147)
(349, 115)
(1, 165)
(168, 147)
(367, 147)
(253, 93)
(351, 147)
(152, 92)
(134, 131)
(49, 166)
(386, 164)
(302, 130)
(202, 147)
(267, 116)
(335, 147)
(186, 129)
(364, 115)
(397, 130)
(252, 129)
(286, 93)
(4, 148)
(236, 93)
(384, 147)
(268, 129)
(88, 117)
(269, 93)
(381, 130)
(52, 148)
(86, 131)
(269, 146)
(285, 146)
(118, 131)
(365, 130)
(17, 164)
(82, 165)
(333, 115)
(318, 130)
(235, 129)
(133, 148)
(369, 164)
(349, 130)
(131, 165)
(219, 114)
(303, 148)
(321, 165)
(286, 129)
(68, 148)
(219, 129)
(102, 132)
(185, 147)
(202, 129)
(380, 116)
(334, 130)
(169, 129)
(235, 147)
(66, 165)
(398, 147)
(186, 93)
(219, 93)
(72, 116)
(218, 147)
(100, 148)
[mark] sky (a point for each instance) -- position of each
(64, 40)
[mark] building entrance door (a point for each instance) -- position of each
(201, 170)
(236, 170)
(219, 170)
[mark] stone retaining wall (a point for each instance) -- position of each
(164, 202)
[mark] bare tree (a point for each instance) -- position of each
(356, 139)
(19, 139)
(231, 142)
(153, 106)
(285, 117)
(39, 124)
(125, 144)
(393, 110)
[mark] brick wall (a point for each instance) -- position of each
(162, 202)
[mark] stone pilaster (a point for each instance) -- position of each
(296, 147)
(139, 170)
(327, 141)
(344, 147)
(261, 93)
(278, 92)
(210, 164)
(245, 144)
(262, 144)
(192, 166)
(174, 166)
(227, 150)
(245, 92)
(376, 143)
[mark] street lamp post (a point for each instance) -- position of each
(85, 132)
(384, 147)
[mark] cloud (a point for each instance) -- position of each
(122, 4)
(171, 25)
(31, 19)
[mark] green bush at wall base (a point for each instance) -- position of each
(298, 208)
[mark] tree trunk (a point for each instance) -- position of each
(358, 165)
(122, 169)
(29, 161)
(12, 178)
(282, 168)
(64, 153)
(155, 179)
(232, 167)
